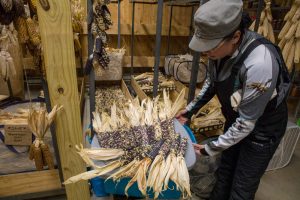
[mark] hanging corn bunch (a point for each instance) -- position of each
(39, 122)
(102, 21)
(290, 36)
(150, 152)
(265, 23)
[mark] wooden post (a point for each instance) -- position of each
(57, 40)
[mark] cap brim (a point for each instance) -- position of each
(202, 45)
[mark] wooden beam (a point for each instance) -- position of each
(142, 61)
(30, 182)
(149, 29)
(57, 40)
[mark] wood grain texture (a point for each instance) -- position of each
(57, 40)
(30, 182)
(138, 90)
(125, 90)
(145, 17)
(149, 29)
(142, 61)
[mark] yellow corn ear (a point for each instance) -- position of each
(297, 35)
(282, 43)
(291, 31)
(297, 51)
(32, 32)
(284, 30)
(291, 13)
(32, 5)
(265, 27)
(286, 49)
(296, 16)
(290, 59)
(21, 27)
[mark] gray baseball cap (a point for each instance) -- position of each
(215, 20)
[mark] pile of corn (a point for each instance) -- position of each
(102, 21)
(10, 10)
(290, 36)
(208, 116)
(140, 141)
(107, 96)
(145, 81)
(265, 23)
(39, 122)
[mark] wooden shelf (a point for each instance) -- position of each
(30, 182)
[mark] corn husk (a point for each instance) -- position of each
(39, 122)
(151, 159)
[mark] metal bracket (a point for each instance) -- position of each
(45, 4)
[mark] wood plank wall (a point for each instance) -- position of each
(145, 27)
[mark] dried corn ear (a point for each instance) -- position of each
(31, 152)
(297, 51)
(47, 156)
(21, 27)
(32, 5)
(32, 32)
(38, 158)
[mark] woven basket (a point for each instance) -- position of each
(114, 72)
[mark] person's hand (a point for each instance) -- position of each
(180, 117)
(197, 148)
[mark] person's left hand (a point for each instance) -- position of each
(197, 148)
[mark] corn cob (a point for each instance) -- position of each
(38, 158)
(7, 5)
(297, 51)
(47, 156)
(21, 27)
(32, 5)
(32, 32)
(298, 31)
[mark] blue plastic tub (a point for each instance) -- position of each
(98, 187)
(119, 189)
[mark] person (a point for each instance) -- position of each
(251, 81)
